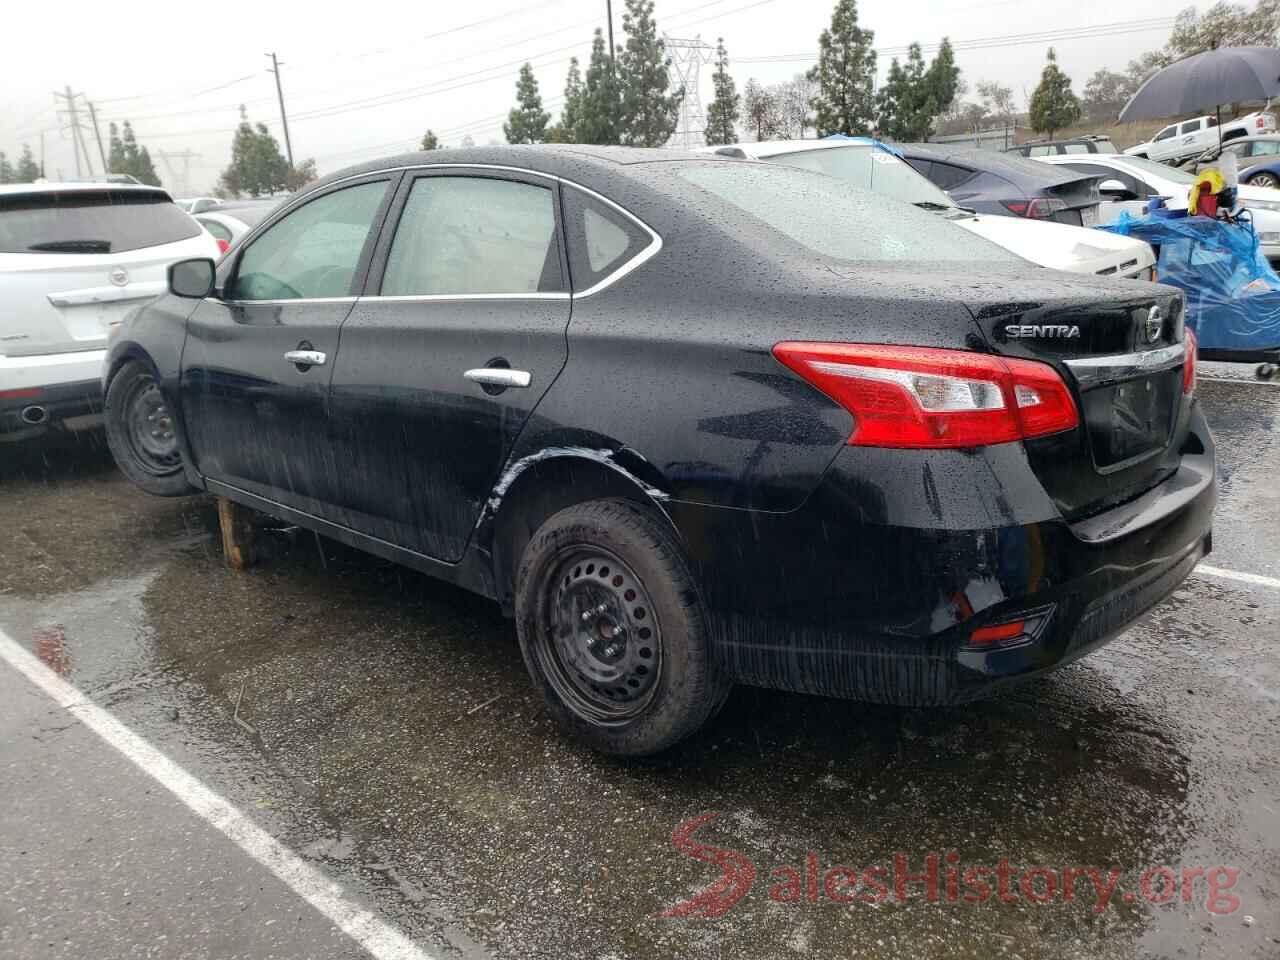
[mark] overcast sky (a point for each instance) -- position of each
(367, 79)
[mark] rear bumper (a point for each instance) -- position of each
(831, 599)
(37, 392)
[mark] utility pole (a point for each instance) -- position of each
(284, 120)
(77, 139)
(97, 134)
(683, 73)
(608, 6)
(41, 153)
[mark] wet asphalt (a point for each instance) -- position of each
(381, 725)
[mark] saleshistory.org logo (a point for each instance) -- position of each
(940, 877)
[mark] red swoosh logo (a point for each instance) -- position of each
(737, 873)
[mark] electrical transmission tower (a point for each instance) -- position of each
(67, 110)
(182, 182)
(687, 60)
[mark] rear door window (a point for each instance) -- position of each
(1041, 151)
(1191, 126)
(91, 221)
(314, 251)
(467, 236)
(1076, 148)
(949, 175)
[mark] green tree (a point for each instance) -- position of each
(137, 160)
(905, 104)
(566, 130)
(845, 74)
(723, 112)
(943, 78)
(257, 166)
(115, 152)
(649, 114)
(527, 123)
(600, 106)
(1105, 94)
(300, 175)
(1225, 25)
(6, 169)
(429, 141)
(28, 171)
(1053, 105)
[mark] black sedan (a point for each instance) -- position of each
(1007, 185)
(691, 421)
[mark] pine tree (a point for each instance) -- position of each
(270, 168)
(136, 160)
(28, 171)
(115, 155)
(599, 107)
(1053, 105)
(527, 123)
(723, 112)
(6, 169)
(566, 130)
(943, 79)
(649, 115)
(257, 166)
(845, 74)
(906, 104)
(429, 141)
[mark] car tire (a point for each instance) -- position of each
(1264, 180)
(142, 434)
(612, 629)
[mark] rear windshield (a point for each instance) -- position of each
(836, 219)
(91, 221)
(871, 168)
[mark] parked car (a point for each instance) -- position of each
(662, 408)
(1187, 138)
(1130, 181)
(1046, 148)
(1257, 159)
(74, 258)
(877, 167)
(230, 221)
(194, 205)
(997, 183)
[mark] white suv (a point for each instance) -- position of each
(74, 259)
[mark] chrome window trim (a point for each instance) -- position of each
(249, 303)
(429, 297)
(651, 250)
(1120, 366)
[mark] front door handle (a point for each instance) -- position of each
(306, 358)
(499, 377)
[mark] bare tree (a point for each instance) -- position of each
(760, 108)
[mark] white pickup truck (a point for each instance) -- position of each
(1187, 138)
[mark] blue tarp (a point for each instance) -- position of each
(1233, 295)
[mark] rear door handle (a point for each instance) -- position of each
(499, 377)
(306, 358)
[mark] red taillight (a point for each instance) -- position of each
(1036, 208)
(1189, 362)
(933, 398)
(223, 245)
(1002, 631)
(22, 393)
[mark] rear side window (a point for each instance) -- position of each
(601, 239)
(314, 251)
(216, 229)
(948, 175)
(1076, 148)
(1042, 151)
(836, 219)
(91, 221)
(474, 235)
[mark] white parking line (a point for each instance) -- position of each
(379, 939)
(1253, 578)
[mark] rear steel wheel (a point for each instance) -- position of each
(1264, 180)
(605, 654)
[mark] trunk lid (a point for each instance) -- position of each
(74, 262)
(1081, 197)
(1119, 346)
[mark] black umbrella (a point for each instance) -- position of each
(1207, 80)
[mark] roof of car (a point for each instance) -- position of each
(71, 186)
(1009, 165)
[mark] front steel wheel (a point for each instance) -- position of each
(142, 432)
(612, 629)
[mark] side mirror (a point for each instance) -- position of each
(191, 278)
(1114, 189)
